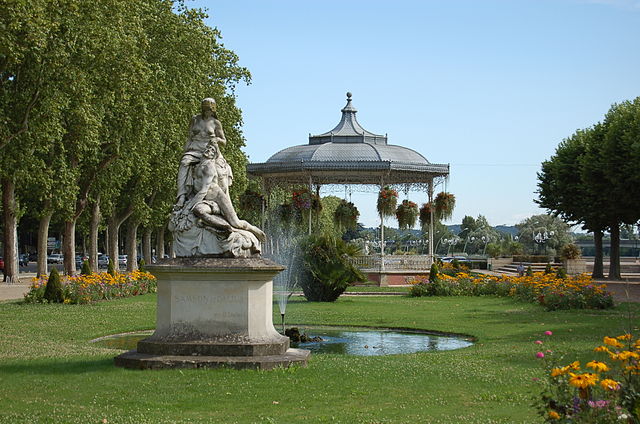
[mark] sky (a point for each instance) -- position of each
(490, 87)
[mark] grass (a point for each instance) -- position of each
(50, 373)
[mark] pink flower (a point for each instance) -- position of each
(539, 355)
(548, 333)
(549, 351)
(538, 342)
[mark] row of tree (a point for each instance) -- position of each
(593, 179)
(95, 100)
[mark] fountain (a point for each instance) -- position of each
(285, 251)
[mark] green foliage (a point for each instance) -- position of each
(444, 204)
(141, 265)
(529, 271)
(387, 201)
(561, 273)
(86, 270)
(346, 215)
(407, 214)
(433, 272)
(111, 269)
(53, 288)
(548, 269)
(325, 271)
(570, 251)
(542, 224)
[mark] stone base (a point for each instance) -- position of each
(214, 312)
(141, 361)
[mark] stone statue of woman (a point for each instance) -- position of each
(204, 221)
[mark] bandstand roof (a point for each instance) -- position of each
(348, 154)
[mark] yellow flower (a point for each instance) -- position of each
(609, 384)
(612, 342)
(554, 415)
(558, 371)
(582, 381)
(624, 337)
(598, 366)
(602, 349)
(625, 355)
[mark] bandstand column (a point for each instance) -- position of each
(431, 238)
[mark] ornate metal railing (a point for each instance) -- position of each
(393, 262)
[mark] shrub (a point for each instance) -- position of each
(433, 272)
(529, 271)
(85, 270)
(111, 269)
(548, 269)
(141, 265)
(325, 270)
(561, 273)
(53, 288)
(570, 251)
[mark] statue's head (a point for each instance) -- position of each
(208, 104)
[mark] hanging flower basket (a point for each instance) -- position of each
(425, 214)
(286, 213)
(346, 215)
(303, 200)
(445, 202)
(251, 201)
(407, 214)
(387, 201)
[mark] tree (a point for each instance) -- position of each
(556, 230)
(568, 187)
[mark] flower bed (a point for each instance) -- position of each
(81, 289)
(579, 292)
(606, 391)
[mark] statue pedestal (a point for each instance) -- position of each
(214, 312)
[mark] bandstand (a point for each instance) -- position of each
(349, 155)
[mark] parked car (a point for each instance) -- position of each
(55, 258)
(23, 260)
(33, 257)
(122, 260)
(103, 260)
(1, 264)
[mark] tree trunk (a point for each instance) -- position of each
(614, 255)
(10, 218)
(146, 245)
(69, 246)
(43, 236)
(160, 243)
(113, 227)
(94, 223)
(132, 244)
(598, 267)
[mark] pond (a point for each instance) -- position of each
(358, 341)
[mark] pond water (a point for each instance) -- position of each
(340, 340)
(378, 342)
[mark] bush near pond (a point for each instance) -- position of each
(81, 289)
(548, 290)
(604, 390)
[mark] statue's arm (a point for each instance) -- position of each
(220, 133)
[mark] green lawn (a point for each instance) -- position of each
(50, 373)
